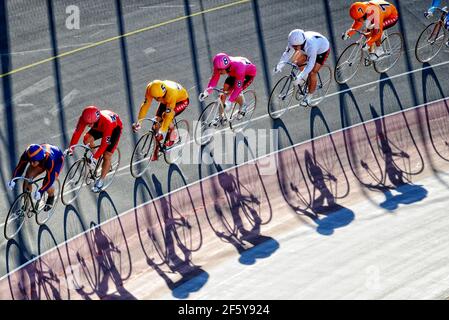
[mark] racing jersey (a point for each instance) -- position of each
(435, 4)
(239, 67)
(175, 93)
(106, 124)
(379, 13)
(52, 164)
(315, 45)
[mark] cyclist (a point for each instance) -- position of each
(429, 13)
(103, 124)
(310, 48)
(43, 157)
(375, 16)
(241, 73)
(173, 100)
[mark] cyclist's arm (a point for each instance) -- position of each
(312, 54)
(50, 177)
(435, 4)
(78, 131)
(21, 166)
(355, 26)
(213, 80)
(145, 107)
(286, 56)
(105, 141)
(238, 87)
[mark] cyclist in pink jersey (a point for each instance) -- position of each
(241, 73)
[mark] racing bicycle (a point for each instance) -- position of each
(215, 116)
(145, 148)
(431, 39)
(80, 173)
(281, 97)
(351, 58)
(24, 206)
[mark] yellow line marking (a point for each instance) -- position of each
(121, 36)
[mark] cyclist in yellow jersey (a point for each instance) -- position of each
(173, 100)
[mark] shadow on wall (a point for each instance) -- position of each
(111, 251)
(438, 128)
(309, 183)
(166, 241)
(239, 208)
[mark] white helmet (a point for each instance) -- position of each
(296, 37)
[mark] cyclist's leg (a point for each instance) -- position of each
(107, 155)
(180, 107)
(32, 172)
(51, 191)
(90, 137)
(313, 75)
(299, 58)
(228, 87)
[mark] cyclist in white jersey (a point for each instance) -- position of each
(307, 47)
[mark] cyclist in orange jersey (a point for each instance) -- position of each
(375, 16)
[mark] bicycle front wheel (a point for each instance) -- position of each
(323, 84)
(73, 181)
(141, 157)
(430, 42)
(241, 120)
(43, 216)
(16, 215)
(207, 124)
(281, 97)
(115, 163)
(348, 63)
(181, 132)
(393, 47)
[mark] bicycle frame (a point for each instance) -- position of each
(161, 144)
(30, 181)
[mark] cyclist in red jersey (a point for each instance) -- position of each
(106, 125)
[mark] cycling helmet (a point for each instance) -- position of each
(358, 10)
(296, 37)
(91, 114)
(221, 61)
(157, 89)
(35, 152)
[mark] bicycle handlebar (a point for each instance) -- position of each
(291, 64)
(29, 180)
(219, 90)
(443, 10)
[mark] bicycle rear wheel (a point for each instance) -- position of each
(394, 45)
(348, 63)
(43, 216)
(141, 157)
(73, 181)
(430, 42)
(204, 128)
(281, 97)
(16, 215)
(115, 162)
(174, 153)
(323, 85)
(238, 122)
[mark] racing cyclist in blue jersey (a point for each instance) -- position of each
(429, 13)
(43, 157)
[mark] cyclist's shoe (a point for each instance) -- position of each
(218, 121)
(242, 112)
(98, 186)
(169, 144)
(307, 101)
(49, 203)
(373, 56)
